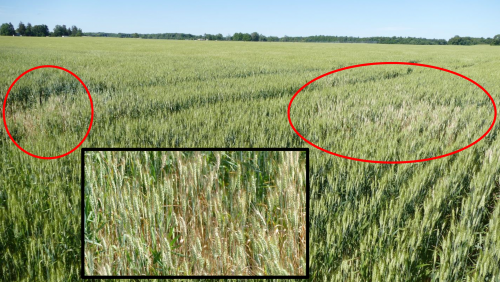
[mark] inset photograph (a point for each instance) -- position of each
(194, 213)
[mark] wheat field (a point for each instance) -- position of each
(431, 221)
(239, 213)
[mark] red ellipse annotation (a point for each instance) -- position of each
(91, 106)
(393, 162)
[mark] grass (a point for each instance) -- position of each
(189, 213)
(429, 221)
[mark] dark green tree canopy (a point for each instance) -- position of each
(246, 37)
(467, 40)
(7, 29)
(75, 31)
(61, 30)
(29, 30)
(41, 30)
(21, 29)
(496, 40)
(238, 36)
(254, 36)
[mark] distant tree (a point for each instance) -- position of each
(254, 36)
(135, 35)
(238, 36)
(57, 31)
(208, 36)
(457, 40)
(74, 30)
(60, 30)
(29, 30)
(496, 40)
(40, 30)
(65, 30)
(21, 29)
(273, 38)
(246, 37)
(7, 29)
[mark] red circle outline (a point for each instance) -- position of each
(393, 63)
(91, 106)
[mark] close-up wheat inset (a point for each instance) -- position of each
(164, 213)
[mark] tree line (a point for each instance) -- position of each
(62, 30)
(254, 36)
(176, 36)
(457, 40)
(7, 29)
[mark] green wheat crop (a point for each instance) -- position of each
(430, 221)
(195, 213)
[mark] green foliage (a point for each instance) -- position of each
(29, 30)
(40, 30)
(254, 36)
(7, 29)
(75, 31)
(21, 29)
(63, 31)
(457, 40)
(177, 36)
(496, 40)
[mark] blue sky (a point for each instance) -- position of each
(430, 19)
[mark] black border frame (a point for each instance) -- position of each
(82, 182)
